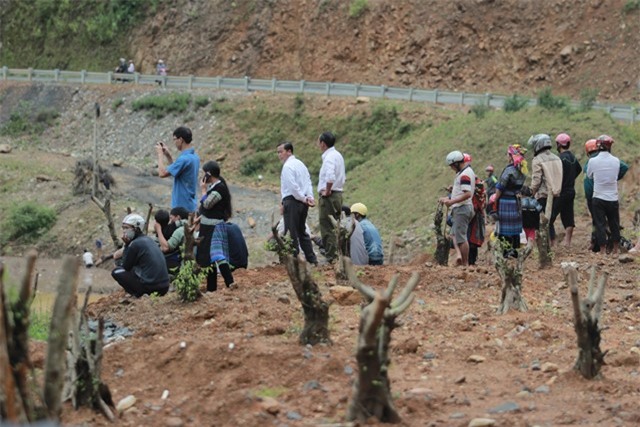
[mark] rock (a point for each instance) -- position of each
(523, 394)
(165, 395)
(421, 391)
(43, 178)
(474, 358)
(348, 370)
(221, 157)
(126, 403)
(505, 407)
(481, 422)
(544, 389)
(293, 415)
(5, 148)
(535, 365)
(457, 415)
(362, 100)
(429, 356)
(251, 222)
(408, 346)
(270, 405)
(549, 367)
(470, 317)
(345, 295)
(626, 258)
(173, 422)
(460, 380)
(536, 325)
(312, 385)
(284, 299)
(118, 163)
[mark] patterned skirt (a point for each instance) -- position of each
(509, 216)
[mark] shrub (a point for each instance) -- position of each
(161, 105)
(187, 282)
(258, 162)
(29, 221)
(201, 102)
(480, 109)
(357, 8)
(515, 103)
(631, 5)
(587, 98)
(117, 103)
(550, 102)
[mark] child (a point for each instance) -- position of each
(530, 214)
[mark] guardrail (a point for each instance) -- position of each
(617, 111)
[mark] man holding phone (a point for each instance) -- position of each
(184, 170)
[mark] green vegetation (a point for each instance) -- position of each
(515, 103)
(631, 6)
(117, 103)
(27, 221)
(200, 102)
(270, 392)
(68, 34)
(550, 102)
(26, 119)
(161, 105)
(357, 8)
(187, 282)
(39, 324)
(480, 110)
(587, 98)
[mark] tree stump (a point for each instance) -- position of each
(586, 318)
(542, 237)
(371, 395)
(510, 271)
(316, 310)
(443, 243)
(343, 237)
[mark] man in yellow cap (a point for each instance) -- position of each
(372, 239)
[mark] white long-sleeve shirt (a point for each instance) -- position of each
(604, 169)
(332, 170)
(295, 180)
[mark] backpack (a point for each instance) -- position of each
(238, 252)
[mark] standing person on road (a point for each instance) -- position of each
(184, 170)
(604, 169)
(570, 170)
(546, 176)
(143, 268)
(330, 187)
(297, 197)
(506, 196)
(462, 205)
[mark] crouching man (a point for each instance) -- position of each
(143, 268)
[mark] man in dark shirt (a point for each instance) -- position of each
(570, 170)
(143, 268)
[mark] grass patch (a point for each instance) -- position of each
(200, 102)
(27, 221)
(515, 103)
(39, 324)
(26, 119)
(117, 104)
(547, 100)
(357, 8)
(273, 392)
(159, 106)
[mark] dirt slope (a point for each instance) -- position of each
(501, 46)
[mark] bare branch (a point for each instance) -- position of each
(411, 285)
(367, 291)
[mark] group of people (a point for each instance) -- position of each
(516, 208)
(297, 196)
(124, 68)
(146, 263)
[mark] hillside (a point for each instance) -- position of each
(500, 46)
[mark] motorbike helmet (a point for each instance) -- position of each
(134, 220)
(539, 142)
(591, 146)
(466, 157)
(489, 168)
(563, 140)
(454, 157)
(359, 208)
(605, 142)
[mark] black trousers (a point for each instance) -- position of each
(295, 217)
(132, 284)
(605, 213)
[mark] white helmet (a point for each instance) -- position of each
(454, 157)
(134, 220)
(539, 142)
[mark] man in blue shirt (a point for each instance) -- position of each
(372, 239)
(184, 170)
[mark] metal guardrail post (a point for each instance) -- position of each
(83, 76)
(190, 84)
(435, 96)
(462, 98)
(56, 75)
(110, 77)
(218, 82)
(30, 73)
(328, 91)
(164, 82)
(4, 72)
(301, 86)
(246, 83)
(357, 89)
(136, 77)
(633, 115)
(488, 95)
(411, 94)
(273, 85)
(383, 90)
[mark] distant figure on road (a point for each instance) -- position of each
(132, 68)
(122, 66)
(161, 68)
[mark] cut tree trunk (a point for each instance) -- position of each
(316, 310)
(510, 271)
(443, 243)
(343, 237)
(543, 239)
(586, 318)
(371, 395)
(105, 207)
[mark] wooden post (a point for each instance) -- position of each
(542, 237)
(510, 271)
(371, 396)
(586, 318)
(443, 243)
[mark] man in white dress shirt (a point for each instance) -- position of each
(297, 198)
(330, 186)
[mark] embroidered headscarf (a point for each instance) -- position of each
(516, 152)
